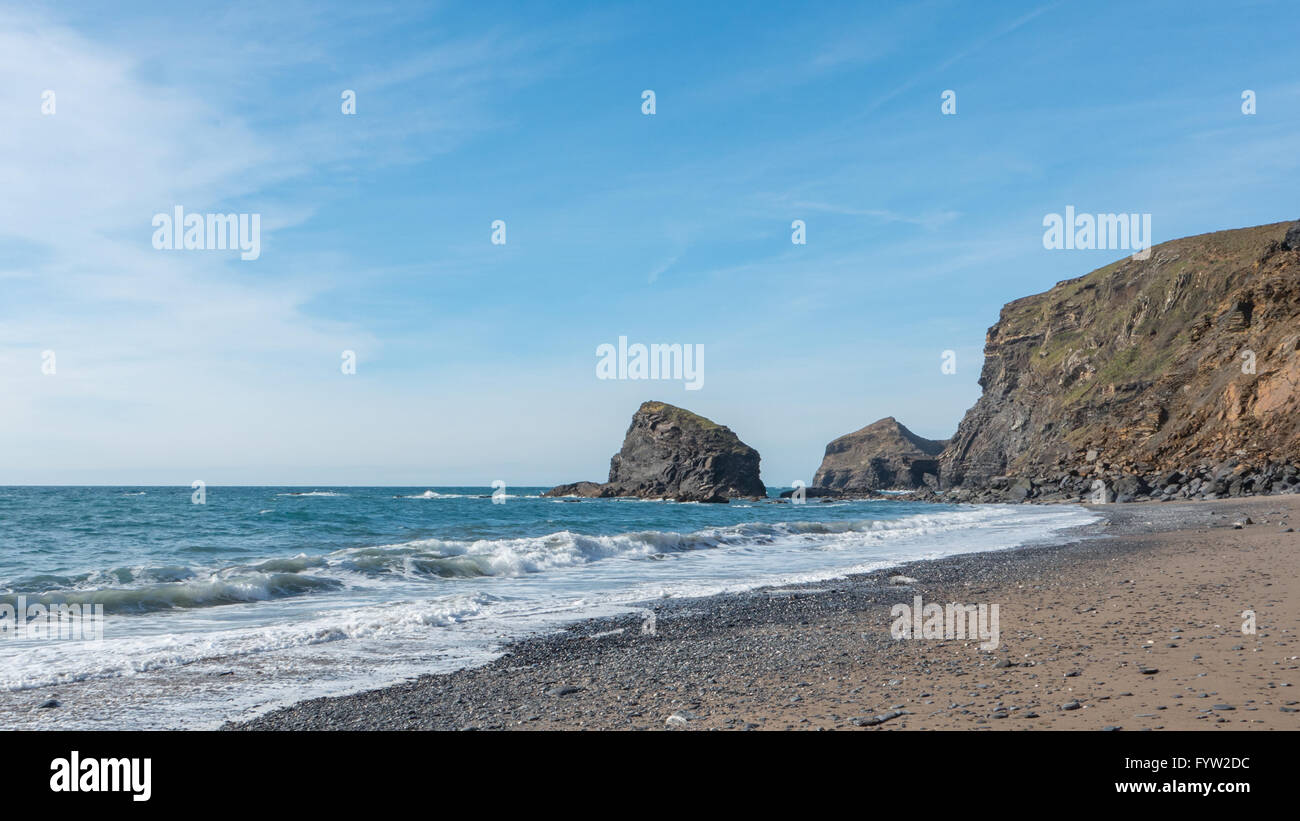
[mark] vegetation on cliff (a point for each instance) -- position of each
(1166, 367)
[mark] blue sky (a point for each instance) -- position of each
(477, 361)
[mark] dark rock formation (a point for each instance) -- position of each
(671, 453)
(883, 455)
(1291, 242)
(589, 489)
(1170, 377)
(826, 493)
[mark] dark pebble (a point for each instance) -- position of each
(563, 691)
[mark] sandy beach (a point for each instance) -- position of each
(1136, 625)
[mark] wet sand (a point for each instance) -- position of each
(1137, 625)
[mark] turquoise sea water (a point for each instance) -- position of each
(284, 593)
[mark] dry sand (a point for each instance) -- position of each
(1173, 602)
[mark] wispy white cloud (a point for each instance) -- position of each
(166, 357)
(927, 220)
(974, 47)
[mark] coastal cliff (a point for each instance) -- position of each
(671, 453)
(1173, 376)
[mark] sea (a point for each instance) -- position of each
(262, 596)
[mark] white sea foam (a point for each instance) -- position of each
(148, 588)
(53, 663)
(362, 617)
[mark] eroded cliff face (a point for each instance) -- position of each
(1179, 368)
(883, 455)
(671, 453)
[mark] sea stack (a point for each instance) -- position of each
(884, 455)
(671, 453)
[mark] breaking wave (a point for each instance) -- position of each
(151, 589)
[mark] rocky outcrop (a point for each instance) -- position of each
(1169, 377)
(594, 490)
(884, 455)
(671, 453)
